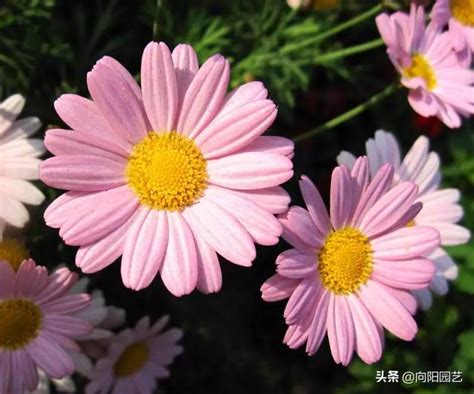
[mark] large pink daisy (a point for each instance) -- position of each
(168, 175)
(440, 83)
(136, 358)
(441, 209)
(349, 271)
(37, 324)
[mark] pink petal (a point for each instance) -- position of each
(186, 66)
(249, 171)
(159, 87)
(82, 173)
(144, 248)
(209, 271)
(302, 300)
(21, 361)
(7, 279)
(204, 96)
(272, 144)
(261, 225)
(67, 142)
(346, 158)
(179, 270)
(452, 234)
(318, 326)
(414, 159)
(68, 326)
(51, 358)
(340, 330)
(387, 310)
(406, 243)
(238, 128)
(273, 199)
(277, 288)
(341, 204)
(296, 265)
(59, 283)
(246, 93)
(221, 231)
(368, 342)
(67, 304)
(406, 274)
(316, 208)
(389, 209)
(405, 298)
(299, 230)
(118, 98)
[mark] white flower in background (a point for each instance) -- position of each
(440, 206)
(18, 163)
(92, 346)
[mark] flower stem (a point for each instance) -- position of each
(390, 89)
(349, 51)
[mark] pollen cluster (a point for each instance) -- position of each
(463, 11)
(132, 360)
(345, 261)
(13, 252)
(20, 323)
(422, 69)
(167, 171)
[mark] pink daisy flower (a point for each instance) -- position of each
(349, 271)
(169, 175)
(18, 163)
(37, 327)
(440, 206)
(460, 16)
(439, 83)
(136, 359)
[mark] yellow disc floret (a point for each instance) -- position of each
(132, 360)
(20, 323)
(13, 252)
(345, 261)
(463, 11)
(422, 69)
(167, 171)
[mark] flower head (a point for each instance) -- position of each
(167, 175)
(440, 83)
(349, 271)
(38, 326)
(440, 211)
(136, 358)
(18, 163)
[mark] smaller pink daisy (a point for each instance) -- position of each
(349, 272)
(136, 358)
(440, 83)
(460, 16)
(37, 326)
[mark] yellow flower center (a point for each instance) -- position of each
(20, 323)
(411, 223)
(13, 252)
(167, 171)
(421, 68)
(132, 360)
(463, 11)
(345, 261)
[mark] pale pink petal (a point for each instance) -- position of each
(13, 212)
(424, 298)
(186, 66)
(346, 158)
(368, 342)
(50, 358)
(250, 170)
(272, 144)
(261, 225)
(10, 108)
(340, 330)
(209, 271)
(82, 173)
(387, 310)
(179, 269)
(318, 326)
(388, 147)
(68, 304)
(315, 205)
(415, 159)
(277, 288)
(238, 128)
(404, 297)
(389, 209)
(295, 265)
(144, 248)
(302, 300)
(21, 361)
(246, 93)
(406, 243)
(221, 231)
(118, 98)
(410, 274)
(299, 230)
(69, 326)
(159, 87)
(452, 234)
(204, 96)
(273, 199)
(341, 204)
